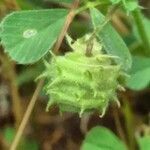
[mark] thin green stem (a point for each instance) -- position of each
(138, 18)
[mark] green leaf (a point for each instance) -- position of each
(144, 142)
(29, 35)
(111, 40)
(100, 138)
(129, 5)
(140, 73)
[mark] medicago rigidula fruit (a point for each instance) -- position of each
(77, 83)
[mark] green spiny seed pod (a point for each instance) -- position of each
(77, 83)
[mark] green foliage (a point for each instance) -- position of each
(129, 5)
(29, 35)
(144, 142)
(25, 144)
(100, 138)
(140, 73)
(9, 134)
(146, 28)
(78, 83)
(111, 40)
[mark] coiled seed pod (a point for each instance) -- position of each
(77, 83)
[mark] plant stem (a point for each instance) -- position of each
(69, 19)
(88, 5)
(16, 99)
(138, 18)
(129, 124)
(119, 125)
(27, 115)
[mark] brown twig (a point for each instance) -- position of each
(12, 4)
(39, 85)
(119, 126)
(129, 123)
(26, 115)
(66, 26)
(16, 99)
(120, 26)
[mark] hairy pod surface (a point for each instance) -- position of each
(77, 83)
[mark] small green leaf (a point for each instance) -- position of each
(29, 35)
(111, 40)
(140, 72)
(131, 5)
(144, 142)
(100, 138)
